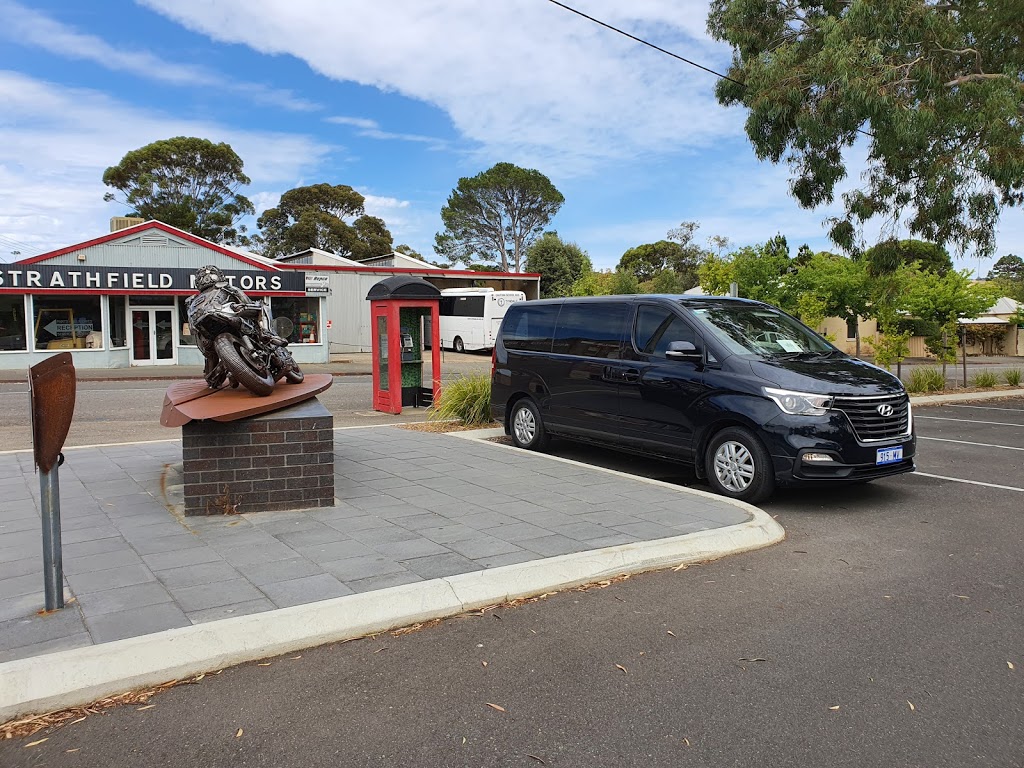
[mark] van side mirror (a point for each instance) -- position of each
(683, 350)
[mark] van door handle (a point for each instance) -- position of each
(631, 375)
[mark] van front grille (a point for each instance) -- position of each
(870, 419)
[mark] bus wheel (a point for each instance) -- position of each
(527, 428)
(457, 344)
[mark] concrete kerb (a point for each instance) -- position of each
(82, 675)
(79, 676)
(965, 397)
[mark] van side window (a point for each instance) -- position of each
(656, 326)
(529, 328)
(591, 329)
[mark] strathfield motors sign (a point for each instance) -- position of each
(72, 279)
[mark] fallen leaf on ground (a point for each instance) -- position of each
(671, 633)
(296, 658)
(539, 760)
(148, 706)
(495, 706)
(912, 707)
(686, 742)
(834, 708)
(379, 650)
(619, 666)
(681, 567)
(754, 658)
(1009, 664)
(238, 733)
(263, 664)
(36, 743)
(483, 663)
(962, 597)
(69, 751)
(199, 677)
(76, 721)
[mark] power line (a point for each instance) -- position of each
(648, 44)
(669, 53)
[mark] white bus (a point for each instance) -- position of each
(470, 317)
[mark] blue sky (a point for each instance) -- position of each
(398, 99)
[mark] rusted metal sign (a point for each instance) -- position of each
(51, 385)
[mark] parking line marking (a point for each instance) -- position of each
(968, 442)
(988, 408)
(971, 482)
(968, 421)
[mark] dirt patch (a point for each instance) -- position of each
(446, 426)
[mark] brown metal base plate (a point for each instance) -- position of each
(186, 401)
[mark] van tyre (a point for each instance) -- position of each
(457, 344)
(526, 427)
(738, 466)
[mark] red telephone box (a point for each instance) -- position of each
(397, 308)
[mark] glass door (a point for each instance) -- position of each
(153, 337)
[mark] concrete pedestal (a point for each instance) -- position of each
(274, 461)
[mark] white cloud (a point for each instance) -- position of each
(370, 129)
(29, 27)
(525, 80)
(51, 193)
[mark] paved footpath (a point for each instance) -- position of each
(410, 506)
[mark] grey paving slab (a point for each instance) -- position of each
(308, 589)
(108, 627)
(208, 596)
(409, 506)
(123, 598)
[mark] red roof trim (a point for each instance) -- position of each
(153, 292)
(409, 271)
(153, 224)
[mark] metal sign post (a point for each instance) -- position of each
(51, 386)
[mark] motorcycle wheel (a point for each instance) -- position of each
(294, 377)
(236, 359)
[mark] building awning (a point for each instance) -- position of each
(403, 287)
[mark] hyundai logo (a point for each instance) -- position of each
(884, 410)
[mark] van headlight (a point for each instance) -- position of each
(799, 403)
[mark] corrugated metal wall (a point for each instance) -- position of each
(149, 249)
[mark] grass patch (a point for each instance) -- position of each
(466, 401)
(928, 379)
(984, 379)
(1012, 377)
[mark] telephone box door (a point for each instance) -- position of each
(387, 393)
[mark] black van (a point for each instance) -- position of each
(747, 394)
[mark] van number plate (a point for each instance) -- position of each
(889, 455)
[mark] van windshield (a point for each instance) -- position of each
(748, 329)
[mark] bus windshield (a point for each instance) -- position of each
(751, 329)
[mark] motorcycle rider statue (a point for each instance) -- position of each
(227, 327)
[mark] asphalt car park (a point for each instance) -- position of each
(965, 448)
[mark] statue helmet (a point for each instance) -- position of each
(209, 276)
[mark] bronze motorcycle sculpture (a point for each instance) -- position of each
(233, 333)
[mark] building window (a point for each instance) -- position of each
(185, 338)
(116, 321)
(67, 322)
(851, 329)
(302, 314)
(12, 324)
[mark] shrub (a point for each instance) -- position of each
(928, 379)
(984, 379)
(1012, 377)
(467, 400)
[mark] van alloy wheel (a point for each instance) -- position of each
(525, 426)
(734, 466)
(738, 465)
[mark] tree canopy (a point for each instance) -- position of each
(316, 217)
(187, 182)
(1007, 274)
(888, 256)
(496, 215)
(559, 263)
(935, 89)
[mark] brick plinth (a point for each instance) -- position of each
(279, 460)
